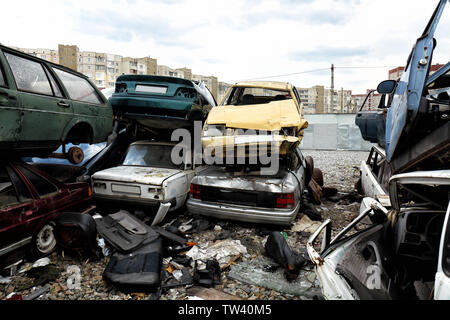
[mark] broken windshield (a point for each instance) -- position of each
(148, 155)
(246, 96)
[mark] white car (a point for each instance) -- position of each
(374, 176)
(403, 254)
(147, 180)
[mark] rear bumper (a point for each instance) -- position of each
(242, 213)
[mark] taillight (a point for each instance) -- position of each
(285, 201)
(196, 191)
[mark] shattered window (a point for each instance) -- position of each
(29, 75)
(439, 90)
(149, 156)
(8, 194)
(42, 186)
(246, 96)
(78, 88)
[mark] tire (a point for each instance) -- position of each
(44, 242)
(75, 155)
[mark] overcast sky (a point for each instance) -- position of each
(238, 40)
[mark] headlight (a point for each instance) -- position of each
(213, 130)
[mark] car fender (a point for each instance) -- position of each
(75, 121)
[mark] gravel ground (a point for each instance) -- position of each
(340, 169)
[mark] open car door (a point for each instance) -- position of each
(402, 114)
(442, 282)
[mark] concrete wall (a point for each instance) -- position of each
(333, 132)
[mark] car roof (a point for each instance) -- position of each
(275, 85)
(44, 61)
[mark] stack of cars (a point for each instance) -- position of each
(399, 245)
(146, 178)
(43, 107)
(253, 118)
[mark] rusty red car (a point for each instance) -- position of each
(29, 200)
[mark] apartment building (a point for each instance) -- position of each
(46, 54)
(372, 101)
(210, 81)
(396, 73)
(104, 68)
(167, 71)
(68, 55)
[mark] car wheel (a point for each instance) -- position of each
(75, 155)
(45, 241)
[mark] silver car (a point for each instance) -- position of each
(250, 197)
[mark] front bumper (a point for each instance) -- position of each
(242, 213)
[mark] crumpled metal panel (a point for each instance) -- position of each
(220, 178)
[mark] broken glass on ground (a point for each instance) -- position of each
(223, 251)
(252, 272)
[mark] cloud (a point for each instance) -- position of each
(240, 39)
(329, 54)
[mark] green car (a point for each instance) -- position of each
(44, 105)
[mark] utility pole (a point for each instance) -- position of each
(332, 89)
(342, 100)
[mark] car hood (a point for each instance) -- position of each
(143, 175)
(268, 116)
(431, 178)
(407, 96)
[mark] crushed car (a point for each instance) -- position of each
(400, 253)
(412, 123)
(160, 103)
(146, 179)
(30, 200)
(251, 196)
(255, 114)
(45, 105)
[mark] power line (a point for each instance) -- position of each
(321, 69)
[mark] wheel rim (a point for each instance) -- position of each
(45, 239)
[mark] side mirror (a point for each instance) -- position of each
(387, 86)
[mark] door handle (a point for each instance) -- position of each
(63, 104)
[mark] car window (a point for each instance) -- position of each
(55, 86)
(149, 156)
(29, 75)
(78, 88)
(8, 195)
(249, 95)
(42, 186)
(2, 79)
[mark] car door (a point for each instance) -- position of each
(10, 114)
(442, 282)
(370, 171)
(45, 112)
(16, 205)
(49, 197)
(88, 104)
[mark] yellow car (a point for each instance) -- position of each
(254, 115)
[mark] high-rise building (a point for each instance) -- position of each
(68, 55)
